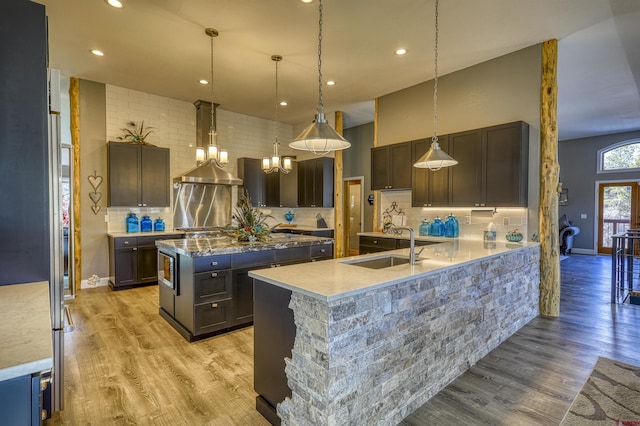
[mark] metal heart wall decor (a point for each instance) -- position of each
(95, 181)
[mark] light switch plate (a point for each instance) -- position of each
(583, 215)
(506, 221)
(106, 218)
(467, 220)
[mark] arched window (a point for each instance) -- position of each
(621, 157)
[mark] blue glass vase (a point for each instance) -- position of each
(132, 223)
(423, 230)
(158, 225)
(451, 227)
(437, 228)
(146, 224)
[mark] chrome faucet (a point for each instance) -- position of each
(412, 248)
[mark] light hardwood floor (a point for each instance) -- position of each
(125, 365)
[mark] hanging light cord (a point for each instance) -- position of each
(435, 85)
(277, 105)
(320, 108)
(213, 127)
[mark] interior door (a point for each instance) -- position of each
(617, 211)
(353, 212)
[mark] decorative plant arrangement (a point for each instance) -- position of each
(252, 223)
(135, 134)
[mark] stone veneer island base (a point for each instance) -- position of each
(375, 352)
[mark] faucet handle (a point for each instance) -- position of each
(417, 253)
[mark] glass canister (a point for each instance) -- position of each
(132, 222)
(146, 224)
(158, 225)
(423, 230)
(437, 228)
(451, 227)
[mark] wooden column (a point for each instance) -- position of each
(376, 194)
(338, 196)
(549, 173)
(74, 102)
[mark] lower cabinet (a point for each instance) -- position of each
(377, 244)
(20, 401)
(133, 260)
(214, 294)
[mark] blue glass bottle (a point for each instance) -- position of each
(451, 227)
(158, 225)
(146, 224)
(132, 223)
(436, 229)
(424, 228)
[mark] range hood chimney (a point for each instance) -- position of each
(207, 172)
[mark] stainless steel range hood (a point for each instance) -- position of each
(202, 196)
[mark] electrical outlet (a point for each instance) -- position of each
(506, 221)
(467, 220)
(106, 218)
(583, 215)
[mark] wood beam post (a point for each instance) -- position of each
(549, 187)
(74, 103)
(376, 194)
(338, 200)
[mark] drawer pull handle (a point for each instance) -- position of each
(375, 241)
(126, 243)
(214, 305)
(214, 263)
(214, 274)
(322, 250)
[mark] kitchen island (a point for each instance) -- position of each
(357, 345)
(205, 288)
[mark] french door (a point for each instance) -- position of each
(617, 211)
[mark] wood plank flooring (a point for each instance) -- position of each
(125, 365)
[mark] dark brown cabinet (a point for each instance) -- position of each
(268, 189)
(429, 188)
(215, 293)
(133, 261)
(492, 169)
(315, 182)
(138, 175)
(391, 166)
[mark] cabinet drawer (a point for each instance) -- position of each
(407, 243)
(382, 243)
(324, 250)
(294, 253)
(147, 241)
(209, 317)
(212, 286)
(211, 263)
(241, 260)
(125, 242)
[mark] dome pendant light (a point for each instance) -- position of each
(319, 138)
(274, 164)
(435, 158)
(214, 154)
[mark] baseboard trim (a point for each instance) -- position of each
(583, 251)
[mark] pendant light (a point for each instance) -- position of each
(319, 138)
(435, 158)
(213, 153)
(274, 164)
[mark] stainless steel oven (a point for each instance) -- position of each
(167, 270)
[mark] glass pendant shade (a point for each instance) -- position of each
(200, 155)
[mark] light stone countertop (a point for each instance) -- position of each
(200, 247)
(178, 234)
(303, 227)
(25, 330)
(405, 236)
(334, 279)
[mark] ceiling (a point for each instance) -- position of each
(160, 47)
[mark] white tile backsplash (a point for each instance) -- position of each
(472, 221)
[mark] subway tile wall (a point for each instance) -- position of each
(472, 221)
(174, 125)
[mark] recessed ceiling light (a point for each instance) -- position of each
(114, 3)
(331, 83)
(401, 52)
(307, 1)
(283, 103)
(97, 52)
(203, 81)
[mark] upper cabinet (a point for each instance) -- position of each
(391, 166)
(492, 167)
(430, 188)
(268, 189)
(138, 175)
(315, 182)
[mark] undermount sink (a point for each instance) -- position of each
(380, 262)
